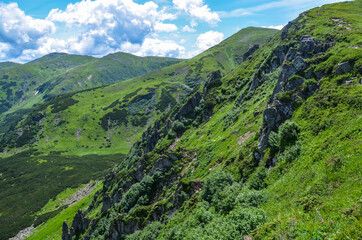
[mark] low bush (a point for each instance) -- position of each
(216, 183)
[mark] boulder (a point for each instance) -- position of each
(343, 68)
(299, 64)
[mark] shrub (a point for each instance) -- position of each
(288, 134)
(224, 201)
(256, 180)
(250, 198)
(291, 153)
(171, 134)
(150, 232)
(274, 141)
(216, 183)
(137, 195)
(178, 127)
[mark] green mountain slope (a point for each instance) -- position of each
(112, 118)
(95, 124)
(7, 64)
(271, 150)
(22, 86)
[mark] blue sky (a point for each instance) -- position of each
(172, 28)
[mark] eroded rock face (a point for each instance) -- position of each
(188, 109)
(343, 68)
(80, 223)
(65, 232)
(294, 63)
(107, 203)
(250, 51)
(212, 82)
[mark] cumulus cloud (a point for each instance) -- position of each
(155, 47)
(207, 40)
(113, 22)
(19, 32)
(279, 27)
(197, 10)
(186, 28)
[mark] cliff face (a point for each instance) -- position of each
(265, 151)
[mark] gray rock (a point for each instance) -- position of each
(285, 30)
(65, 232)
(299, 64)
(188, 109)
(107, 203)
(291, 54)
(343, 68)
(250, 51)
(80, 223)
(291, 85)
(212, 82)
(271, 117)
(161, 164)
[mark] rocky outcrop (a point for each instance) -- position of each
(212, 82)
(250, 51)
(80, 224)
(188, 109)
(65, 232)
(294, 64)
(107, 203)
(343, 68)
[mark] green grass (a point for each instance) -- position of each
(52, 229)
(58, 73)
(107, 105)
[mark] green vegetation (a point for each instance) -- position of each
(270, 150)
(52, 229)
(79, 135)
(28, 84)
(28, 181)
(229, 169)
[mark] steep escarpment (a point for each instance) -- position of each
(271, 150)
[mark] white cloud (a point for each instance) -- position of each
(165, 27)
(115, 21)
(206, 40)
(279, 27)
(155, 47)
(197, 10)
(186, 28)
(19, 32)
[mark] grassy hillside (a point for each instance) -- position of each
(110, 119)
(96, 124)
(28, 84)
(7, 64)
(270, 151)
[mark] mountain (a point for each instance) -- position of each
(28, 84)
(271, 150)
(8, 64)
(119, 113)
(86, 132)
